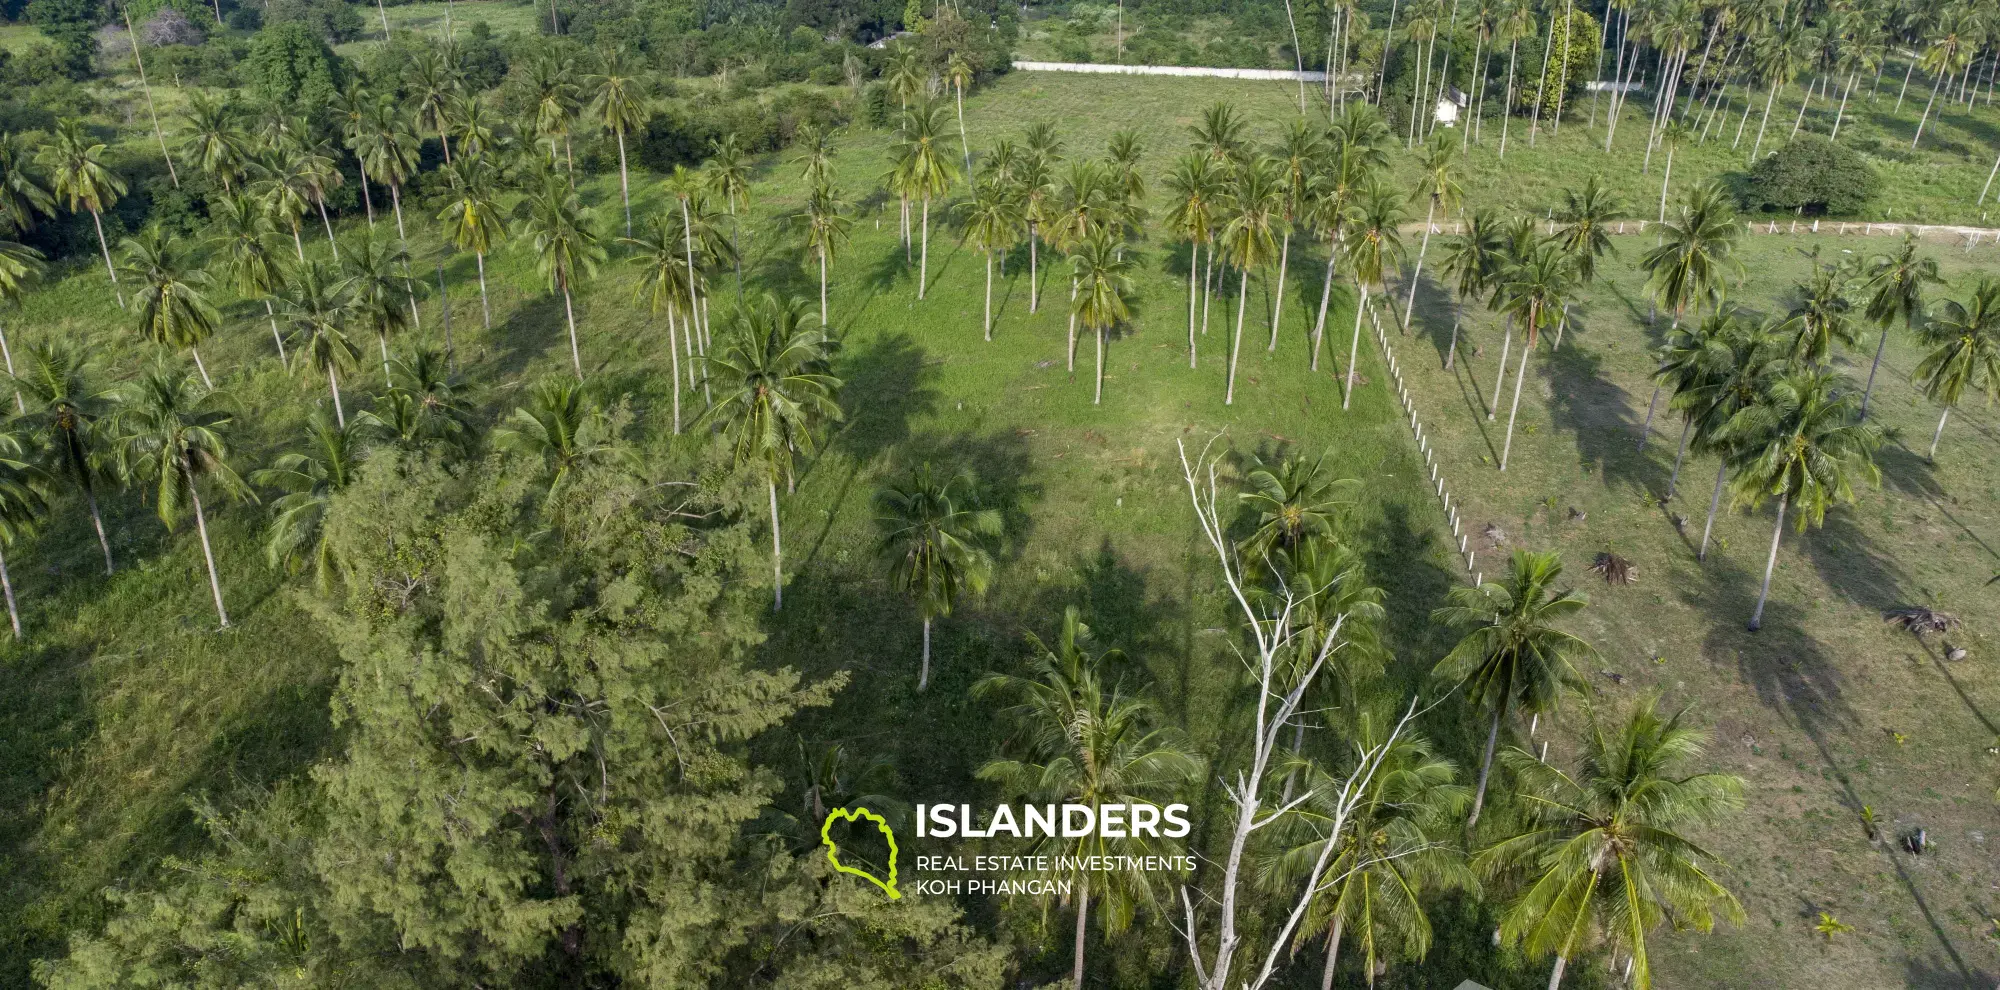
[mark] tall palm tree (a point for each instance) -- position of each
(958, 73)
(565, 427)
(1735, 381)
(555, 101)
(618, 100)
(1532, 289)
(1779, 57)
(377, 287)
(559, 230)
(309, 477)
(1080, 741)
(826, 226)
(777, 392)
(350, 108)
(79, 177)
(1437, 185)
(20, 267)
(728, 176)
(315, 311)
(1472, 261)
(1512, 654)
(66, 405)
(471, 218)
(1083, 206)
(388, 152)
(663, 288)
(1299, 152)
(1585, 220)
(1687, 268)
(1691, 357)
(23, 193)
(932, 534)
(1374, 242)
(1249, 239)
(285, 185)
(1896, 292)
(477, 132)
(1820, 311)
(1946, 52)
(428, 406)
(173, 434)
(1196, 184)
(1392, 849)
(1964, 341)
(1220, 134)
(1802, 444)
(24, 488)
(1604, 846)
(1293, 501)
(1104, 294)
(173, 312)
(1034, 185)
(431, 83)
(241, 238)
(815, 157)
(685, 186)
(993, 222)
(927, 172)
(213, 137)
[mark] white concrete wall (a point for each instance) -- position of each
(1286, 75)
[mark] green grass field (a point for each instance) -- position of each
(503, 16)
(124, 704)
(19, 37)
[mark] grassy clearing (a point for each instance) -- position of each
(19, 37)
(503, 16)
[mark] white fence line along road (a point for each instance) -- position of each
(1966, 237)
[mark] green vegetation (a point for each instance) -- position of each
(468, 673)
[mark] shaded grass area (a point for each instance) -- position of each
(429, 18)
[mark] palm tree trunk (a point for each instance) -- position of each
(1098, 398)
(1236, 345)
(1542, 84)
(320, 201)
(7, 585)
(276, 338)
(1410, 307)
(367, 201)
(153, 112)
(989, 298)
(964, 143)
(485, 309)
(403, 237)
(674, 355)
(924, 672)
(777, 553)
(624, 187)
(1354, 348)
(1207, 287)
(1804, 102)
(1714, 501)
(924, 264)
(1666, 178)
(198, 366)
(1988, 187)
(1278, 306)
(569, 313)
(1646, 431)
(106, 248)
(1325, 297)
(19, 405)
(1506, 345)
(387, 379)
(1770, 563)
(1082, 913)
(1869, 392)
(1926, 115)
(1673, 480)
(1486, 766)
(1764, 121)
(1838, 115)
(333, 389)
(379, 9)
(298, 243)
(1451, 350)
(1507, 110)
(1556, 975)
(1332, 952)
(201, 527)
(1514, 410)
(822, 293)
(1938, 433)
(1034, 275)
(1069, 345)
(1194, 263)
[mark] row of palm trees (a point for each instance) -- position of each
(1593, 857)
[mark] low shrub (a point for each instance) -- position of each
(1811, 175)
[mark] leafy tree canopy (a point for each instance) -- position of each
(1813, 174)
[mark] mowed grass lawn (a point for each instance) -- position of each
(124, 704)
(1808, 709)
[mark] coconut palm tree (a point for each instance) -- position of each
(79, 177)
(815, 157)
(1604, 845)
(663, 288)
(560, 231)
(429, 405)
(1964, 341)
(1293, 500)
(23, 194)
(1803, 445)
(213, 137)
(826, 226)
(1735, 381)
(1949, 48)
(476, 130)
(315, 310)
(1373, 244)
(1687, 268)
(1437, 185)
(1673, 134)
(377, 287)
(350, 108)
(1034, 185)
(958, 74)
(1249, 239)
(565, 427)
(932, 535)
(1820, 312)
(554, 102)
(285, 185)
(1780, 55)
(1080, 741)
(728, 177)
(993, 222)
(777, 392)
(387, 148)
(173, 434)
(1128, 184)
(686, 186)
(241, 239)
(66, 404)
(1392, 849)
(1472, 260)
(927, 172)
(471, 218)
(431, 83)
(309, 477)
(20, 267)
(1220, 135)
(1196, 185)
(1512, 654)
(173, 312)
(1532, 288)
(24, 488)
(1298, 154)
(1083, 206)
(619, 103)
(1691, 357)
(1104, 294)
(1896, 292)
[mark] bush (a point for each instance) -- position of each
(334, 20)
(291, 63)
(1811, 174)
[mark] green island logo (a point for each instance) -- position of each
(833, 848)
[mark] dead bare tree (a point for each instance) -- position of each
(1272, 634)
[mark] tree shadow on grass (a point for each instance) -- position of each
(526, 335)
(1849, 560)
(1004, 468)
(1598, 413)
(790, 272)
(887, 384)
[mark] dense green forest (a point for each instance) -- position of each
(484, 481)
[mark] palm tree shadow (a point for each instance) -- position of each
(526, 335)
(1004, 467)
(1849, 560)
(886, 386)
(787, 271)
(1598, 414)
